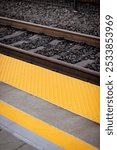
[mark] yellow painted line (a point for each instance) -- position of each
(72, 94)
(43, 129)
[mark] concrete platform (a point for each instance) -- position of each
(68, 122)
(79, 97)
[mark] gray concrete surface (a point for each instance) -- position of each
(10, 142)
(69, 122)
(85, 62)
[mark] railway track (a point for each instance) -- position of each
(65, 51)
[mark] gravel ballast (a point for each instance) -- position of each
(85, 20)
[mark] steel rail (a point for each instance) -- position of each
(70, 35)
(51, 63)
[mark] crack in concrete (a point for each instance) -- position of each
(20, 146)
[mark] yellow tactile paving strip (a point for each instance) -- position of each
(72, 94)
(43, 129)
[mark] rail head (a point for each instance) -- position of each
(70, 35)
